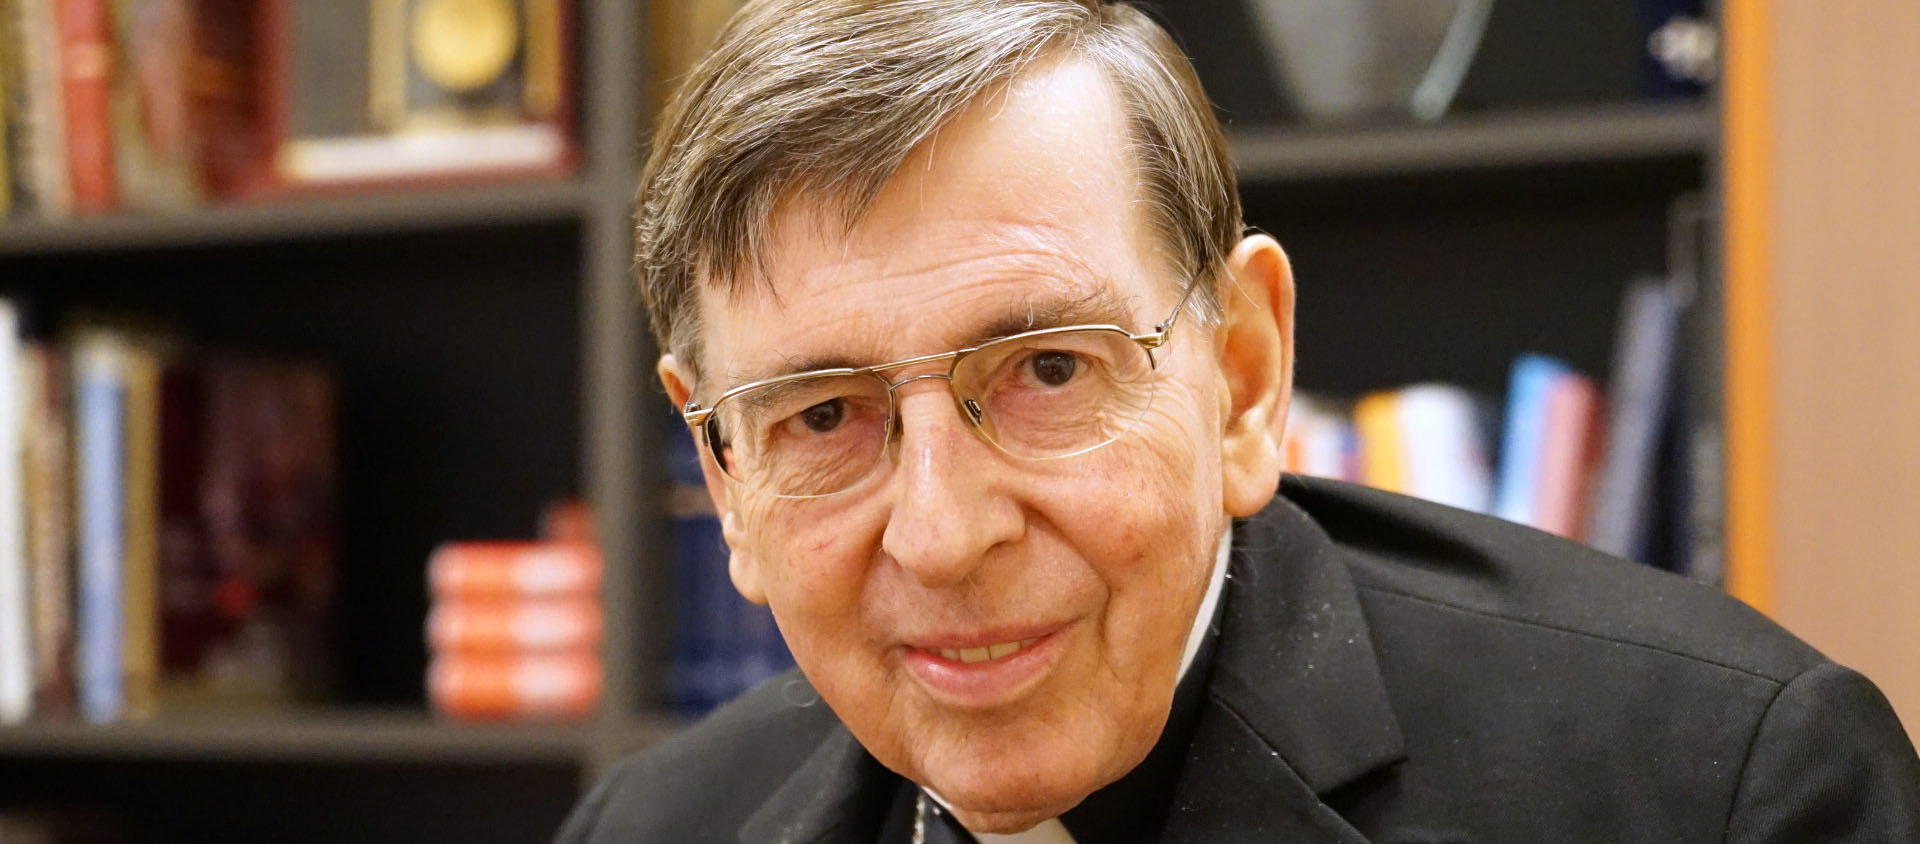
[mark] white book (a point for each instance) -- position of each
(1445, 459)
(16, 638)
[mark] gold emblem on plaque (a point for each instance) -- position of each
(462, 45)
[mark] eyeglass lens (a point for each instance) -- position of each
(1033, 396)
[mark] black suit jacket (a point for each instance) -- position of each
(1389, 670)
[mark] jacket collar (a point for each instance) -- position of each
(1296, 662)
(836, 797)
(1296, 708)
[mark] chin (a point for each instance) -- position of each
(1041, 778)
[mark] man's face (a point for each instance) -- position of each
(1023, 205)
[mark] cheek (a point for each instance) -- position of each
(811, 559)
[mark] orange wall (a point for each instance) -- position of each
(1824, 284)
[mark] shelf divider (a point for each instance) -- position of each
(543, 201)
(1534, 137)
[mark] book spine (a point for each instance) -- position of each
(224, 83)
(9, 71)
(86, 60)
(496, 570)
(152, 130)
(1382, 444)
(562, 686)
(1566, 463)
(140, 595)
(100, 397)
(1623, 498)
(532, 625)
(16, 649)
(43, 136)
(1522, 436)
(50, 533)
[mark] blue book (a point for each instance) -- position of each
(1523, 436)
(100, 401)
(1621, 520)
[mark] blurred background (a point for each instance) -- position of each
(338, 501)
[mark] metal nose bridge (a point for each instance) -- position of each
(968, 407)
(942, 376)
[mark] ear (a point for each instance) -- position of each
(677, 378)
(1255, 348)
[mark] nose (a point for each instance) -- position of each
(952, 500)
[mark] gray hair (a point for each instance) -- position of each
(826, 98)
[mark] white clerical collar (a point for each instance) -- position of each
(1052, 831)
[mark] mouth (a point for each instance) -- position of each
(980, 672)
(997, 650)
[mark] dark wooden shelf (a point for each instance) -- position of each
(353, 736)
(426, 210)
(1534, 138)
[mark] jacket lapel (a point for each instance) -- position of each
(1296, 705)
(836, 797)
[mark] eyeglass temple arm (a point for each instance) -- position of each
(1159, 335)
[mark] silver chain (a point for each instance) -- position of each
(920, 819)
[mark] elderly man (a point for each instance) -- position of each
(991, 388)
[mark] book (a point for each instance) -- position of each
(1383, 454)
(8, 72)
(514, 625)
(39, 137)
(228, 121)
(556, 686)
(49, 521)
(722, 645)
(1570, 432)
(1319, 440)
(16, 603)
(1444, 447)
(86, 73)
(247, 520)
(1623, 505)
(100, 395)
(140, 563)
(151, 117)
(1523, 435)
(509, 569)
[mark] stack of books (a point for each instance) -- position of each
(166, 524)
(1556, 454)
(515, 630)
(110, 105)
(722, 645)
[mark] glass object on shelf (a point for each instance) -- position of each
(1348, 60)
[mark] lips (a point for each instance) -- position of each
(977, 671)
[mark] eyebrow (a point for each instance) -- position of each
(1100, 306)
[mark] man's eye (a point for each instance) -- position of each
(825, 416)
(1053, 368)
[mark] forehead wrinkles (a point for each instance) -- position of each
(900, 303)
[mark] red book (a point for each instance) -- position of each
(86, 72)
(526, 626)
(503, 570)
(1567, 457)
(552, 687)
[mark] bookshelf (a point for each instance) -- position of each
(493, 356)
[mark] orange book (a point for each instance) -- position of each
(562, 686)
(86, 73)
(499, 570)
(481, 627)
(1383, 458)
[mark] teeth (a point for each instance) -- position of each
(972, 655)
